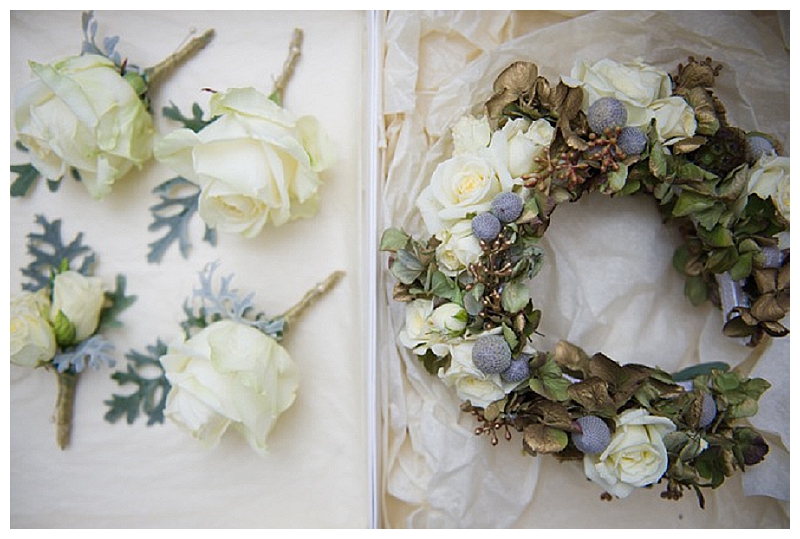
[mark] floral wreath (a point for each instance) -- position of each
(470, 317)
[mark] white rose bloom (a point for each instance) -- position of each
(432, 329)
(81, 299)
(462, 185)
(525, 142)
(458, 248)
(32, 340)
(229, 375)
(255, 164)
(470, 134)
(674, 119)
(80, 113)
(636, 456)
(636, 84)
(416, 332)
(769, 178)
(471, 383)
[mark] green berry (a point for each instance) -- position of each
(518, 370)
(594, 436)
(507, 207)
(491, 354)
(486, 227)
(632, 140)
(709, 412)
(606, 113)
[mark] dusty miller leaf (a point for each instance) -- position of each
(26, 176)
(119, 302)
(150, 397)
(92, 352)
(174, 213)
(49, 253)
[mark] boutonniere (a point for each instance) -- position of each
(58, 320)
(228, 371)
(251, 164)
(88, 115)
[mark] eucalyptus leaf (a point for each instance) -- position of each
(393, 239)
(515, 296)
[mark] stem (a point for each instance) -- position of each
(311, 296)
(170, 62)
(288, 67)
(65, 403)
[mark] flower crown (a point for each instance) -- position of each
(470, 316)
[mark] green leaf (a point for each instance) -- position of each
(64, 330)
(742, 268)
(658, 162)
(722, 260)
(515, 296)
(710, 218)
(689, 203)
(26, 176)
(393, 239)
(445, 287)
(406, 267)
(696, 290)
(510, 337)
(719, 236)
(152, 387)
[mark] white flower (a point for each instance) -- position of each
(81, 299)
(525, 142)
(636, 456)
(255, 164)
(646, 92)
(80, 113)
(229, 375)
(427, 328)
(769, 178)
(462, 185)
(458, 248)
(471, 383)
(674, 119)
(636, 84)
(470, 134)
(32, 340)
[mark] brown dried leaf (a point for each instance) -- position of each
(495, 105)
(592, 394)
(519, 77)
(783, 278)
(569, 356)
(688, 145)
(606, 369)
(705, 111)
(767, 309)
(571, 104)
(543, 439)
(554, 414)
(765, 279)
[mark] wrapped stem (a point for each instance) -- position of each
(288, 67)
(311, 296)
(65, 404)
(173, 60)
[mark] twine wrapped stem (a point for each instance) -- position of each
(65, 404)
(158, 71)
(311, 296)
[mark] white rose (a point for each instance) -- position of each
(674, 119)
(32, 340)
(255, 164)
(449, 319)
(81, 299)
(471, 383)
(458, 248)
(636, 456)
(636, 84)
(229, 375)
(462, 185)
(427, 328)
(80, 113)
(525, 142)
(769, 178)
(470, 134)
(416, 332)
